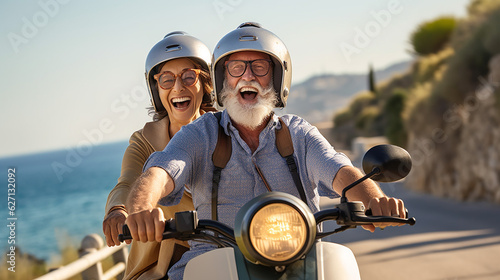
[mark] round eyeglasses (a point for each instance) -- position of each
(167, 79)
(259, 67)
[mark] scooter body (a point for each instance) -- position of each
(326, 260)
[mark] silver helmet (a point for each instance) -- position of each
(177, 44)
(250, 36)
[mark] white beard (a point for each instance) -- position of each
(248, 115)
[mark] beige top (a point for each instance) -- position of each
(147, 260)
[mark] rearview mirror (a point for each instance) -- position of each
(393, 163)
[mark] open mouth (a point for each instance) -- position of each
(248, 93)
(181, 102)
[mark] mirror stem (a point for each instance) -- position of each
(375, 171)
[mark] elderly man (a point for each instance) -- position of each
(252, 76)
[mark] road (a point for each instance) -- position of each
(451, 240)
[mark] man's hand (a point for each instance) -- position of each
(370, 194)
(147, 225)
(385, 206)
(112, 226)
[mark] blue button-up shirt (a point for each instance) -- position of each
(188, 160)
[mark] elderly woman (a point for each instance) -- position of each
(178, 79)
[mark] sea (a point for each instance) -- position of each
(59, 197)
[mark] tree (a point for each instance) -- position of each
(371, 81)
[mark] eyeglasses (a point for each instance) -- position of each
(259, 67)
(167, 79)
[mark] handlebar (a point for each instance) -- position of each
(358, 218)
(172, 232)
(186, 225)
(352, 214)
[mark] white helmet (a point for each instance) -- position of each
(250, 36)
(177, 44)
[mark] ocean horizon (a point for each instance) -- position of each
(59, 196)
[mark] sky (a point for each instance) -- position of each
(72, 72)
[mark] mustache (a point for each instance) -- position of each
(254, 84)
(228, 90)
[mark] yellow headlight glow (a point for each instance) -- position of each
(278, 232)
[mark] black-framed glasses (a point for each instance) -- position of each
(167, 79)
(259, 67)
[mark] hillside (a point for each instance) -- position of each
(319, 97)
(444, 110)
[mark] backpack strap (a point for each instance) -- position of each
(285, 148)
(220, 157)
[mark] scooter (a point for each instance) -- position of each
(276, 235)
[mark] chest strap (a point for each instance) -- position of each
(285, 148)
(222, 154)
(220, 157)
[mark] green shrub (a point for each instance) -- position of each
(360, 102)
(366, 118)
(431, 37)
(342, 117)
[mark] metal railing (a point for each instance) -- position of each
(89, 264)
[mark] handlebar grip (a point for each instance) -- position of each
(125, 235)
(169, 226)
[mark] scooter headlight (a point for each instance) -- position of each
(277, 232)
(275, 229)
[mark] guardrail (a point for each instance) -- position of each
(89, 264)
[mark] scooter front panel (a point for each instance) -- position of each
(335, 261)
(216, 264)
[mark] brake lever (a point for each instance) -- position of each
(385, 219)
(369, 213)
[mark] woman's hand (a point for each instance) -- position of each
(113, 225)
